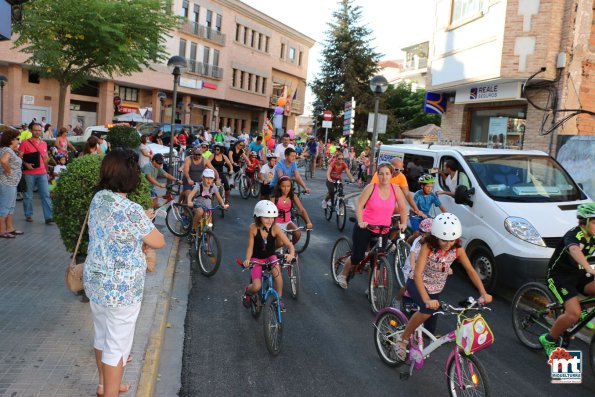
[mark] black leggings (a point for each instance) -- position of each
(223, 177)
(361, 241)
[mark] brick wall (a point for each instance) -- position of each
(586, 123)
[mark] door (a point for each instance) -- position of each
(30, 112)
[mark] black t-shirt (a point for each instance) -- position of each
(562, 262)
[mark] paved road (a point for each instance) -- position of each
(328, 347)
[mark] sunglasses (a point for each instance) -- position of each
(399, 169)
(197, 155)
(340, 158)
(217, 148)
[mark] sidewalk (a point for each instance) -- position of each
(46, 332)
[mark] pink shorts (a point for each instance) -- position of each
(256, 271)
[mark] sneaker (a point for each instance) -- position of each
(342, 281)
(548, 346)
(590, 324)
(247, 299)
(324, 205)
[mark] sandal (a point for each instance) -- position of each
(342, 281)
(402, 349)
(124, 387)
(16, 233)
(7, 235)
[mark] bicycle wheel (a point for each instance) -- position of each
(273, 331)
(255, 189)
(244, 188)
(341, 214)
(178, 219)
(294, 279)
(209, 254)
(473, 379)
(304, 240)
(531, 316)
(328, 210)
(340, 254)
(387, 329)
(381, 284)
(401, 253)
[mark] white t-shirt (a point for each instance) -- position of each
(59, 168)
(207, 136)
(280, 150)
(451, 183)
(267, 171)
(409, 267)
(143, 160)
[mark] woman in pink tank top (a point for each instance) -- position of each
(376, 205)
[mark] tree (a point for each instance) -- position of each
(405, 109)
(348, 62)
(74, 40)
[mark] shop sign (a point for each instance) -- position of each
(129, 107)
(210, 86)
(186, 82)
(28, 100)
(489, 93)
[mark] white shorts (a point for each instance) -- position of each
(283, 226)
(114, 331)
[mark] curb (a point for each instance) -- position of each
(148, 376)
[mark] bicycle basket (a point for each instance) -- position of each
(474, 334)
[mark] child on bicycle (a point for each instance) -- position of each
(284, 197)
(266, 176)
(424, 199)
(205, 190)
(252, 166)
(440, 249)
(333, 174)
(262, 237)
(570, 273)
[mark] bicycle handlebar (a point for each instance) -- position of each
(468, 304)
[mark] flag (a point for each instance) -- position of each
(294, 96)
(288, 97)
(284, 92)
(435, 103)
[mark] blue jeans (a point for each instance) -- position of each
(44, 193)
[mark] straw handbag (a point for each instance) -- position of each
(74, 272)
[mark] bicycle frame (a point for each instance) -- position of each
(266, 288)
(586, 302)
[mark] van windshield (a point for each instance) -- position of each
(523, 178)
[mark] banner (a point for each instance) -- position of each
(434, 103)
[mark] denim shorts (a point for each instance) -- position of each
(8, 197)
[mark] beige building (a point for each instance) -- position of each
(239, 62)
(481, 54)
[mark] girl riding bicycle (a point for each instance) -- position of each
(206, 189)
(437, 254)
(284, 197)
(262, 236)
(334, 173)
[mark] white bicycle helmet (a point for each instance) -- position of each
(265, 208)
(447, 226)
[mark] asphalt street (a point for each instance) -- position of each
(328, 346)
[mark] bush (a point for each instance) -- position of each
(124, 137)
(73, 195)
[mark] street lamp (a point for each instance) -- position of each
(176, 65)
(162, 96)
(378, 85)
(3, 81)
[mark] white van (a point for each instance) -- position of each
(515, 205)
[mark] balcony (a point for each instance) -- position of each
(204, 32)
(205, 69)
(296, 106)
(414, 63)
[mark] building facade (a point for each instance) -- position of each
(483, 51)
(239, 62)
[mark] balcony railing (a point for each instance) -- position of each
(204, 32)
(415, 64)
(205, 69)
(296, 106)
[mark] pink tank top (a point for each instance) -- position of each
(378, 211)
(284, 211)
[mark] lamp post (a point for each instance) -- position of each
(3, 81)
(176, 65)
(378, 85)
(162, 96)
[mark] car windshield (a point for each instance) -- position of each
(523, 178)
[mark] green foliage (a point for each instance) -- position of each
(405, 110)
(73, 195)
(123, 136)
(347, 64)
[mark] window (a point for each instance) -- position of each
(196, 13)
(260, 41)
(209, 18)
(215, 57)
(218, 22)
(184, 10)
(33, 77)
(205, 55)
(242, 79)
(498, 127)
(238, 28)
(182, 51)
(264, 85)
(282, 55)
(252, 37)
(233, 77)
(266, 47)
(193, 51)
(128, 93)
(249, 87)
(291, 54)
(465, 9)
(300, 58)
(245, 35)
(256, 83)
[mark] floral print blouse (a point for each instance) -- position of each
(115, 267)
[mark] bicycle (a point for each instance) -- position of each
(268, 298)
(308, 167)
(301, 245)
(337, 205)
(534, 311)
(464, 372)
(178, 217)
(249, 186)
(381, 279)
(401, 249)
(206, 246)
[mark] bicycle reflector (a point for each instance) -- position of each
(393, 323)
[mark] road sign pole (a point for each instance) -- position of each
(325, 141)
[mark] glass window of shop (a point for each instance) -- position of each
(498, 127)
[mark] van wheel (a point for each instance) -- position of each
(484, 264)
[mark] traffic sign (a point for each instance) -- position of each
(327, 115)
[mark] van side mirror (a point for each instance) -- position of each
(463, 195)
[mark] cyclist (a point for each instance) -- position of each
(312, 152)
(333, 174)
(569, 273)
(262, 235)
(288, 167)
(424, 199)
(437, 254)
(205, 190)
(152, 171)
(252, 166)
(398, 178)
(219, 160)
(266, 176)
(375, 206)
(284, 198)
(236, 154)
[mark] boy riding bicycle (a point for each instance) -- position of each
(569, 273)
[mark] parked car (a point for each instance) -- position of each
(514, 205)
(152, 129)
